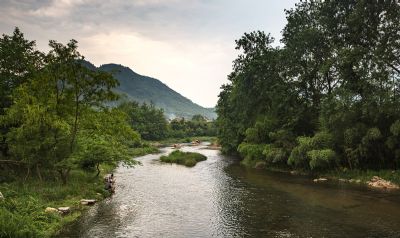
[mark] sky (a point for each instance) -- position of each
(187, 44)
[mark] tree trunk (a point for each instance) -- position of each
(38, 173)
(27, 173)
(64, 175)
(98, 169)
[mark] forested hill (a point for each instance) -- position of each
(134, 86)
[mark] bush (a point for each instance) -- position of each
(275, 155)
(321, 159)
(251, 151)
(298, 157)
(313, 153)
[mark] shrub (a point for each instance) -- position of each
(275, 155)
(313, 152)
(321, 159)
(298, 157)
(251, 151)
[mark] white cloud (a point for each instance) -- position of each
(188, 67)
(56, 8)
(188, 44)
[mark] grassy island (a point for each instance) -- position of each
(188, 159)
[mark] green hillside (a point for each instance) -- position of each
(141, 88)
(134, 86)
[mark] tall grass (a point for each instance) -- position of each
(22, 212)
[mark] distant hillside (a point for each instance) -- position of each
(146, 89)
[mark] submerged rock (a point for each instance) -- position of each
(88, 201)
(378, 182)
(320, 180)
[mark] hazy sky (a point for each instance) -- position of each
(187, 44)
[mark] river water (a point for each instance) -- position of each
(220, 198)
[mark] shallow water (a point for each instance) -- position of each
(219, 198)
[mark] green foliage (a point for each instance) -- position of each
(19, 62)
(251, 151)
(198, 126)
(333, 85)
(22, 212)
(313, 153)
(146, 119)
(275, 155)
(321, 159)
(188, 159)
(298, 157)
(57, 120)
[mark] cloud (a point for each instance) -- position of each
(188, 67)
(56, 8)
(188, 44)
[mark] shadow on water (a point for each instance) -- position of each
(219, 198)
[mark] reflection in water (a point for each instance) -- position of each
(219, 198)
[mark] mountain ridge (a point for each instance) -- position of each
(146, 89)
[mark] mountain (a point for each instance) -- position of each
(134, 86)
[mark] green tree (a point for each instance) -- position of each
(19, 61)
(48, 109)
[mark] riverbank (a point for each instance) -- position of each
(22, 210)
(172, 141)
(345, 175)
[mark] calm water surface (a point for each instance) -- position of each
(219, 198)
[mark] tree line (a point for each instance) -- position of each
(152, 124)
(327, 97)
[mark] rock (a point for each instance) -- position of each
(177, 146)
(378, 182)
(260, 165)
(342, 180)
(320, 180)
(64, 210)
(358, 181)
(51, 210)
(1, 196)
(352, 180)
(88, 201)
(294, 172)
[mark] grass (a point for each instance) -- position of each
(144, 151)
(188, 159)
(22, 212)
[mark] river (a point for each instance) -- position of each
(220, 198)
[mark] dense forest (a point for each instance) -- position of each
(152, 125)
(327, 97)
